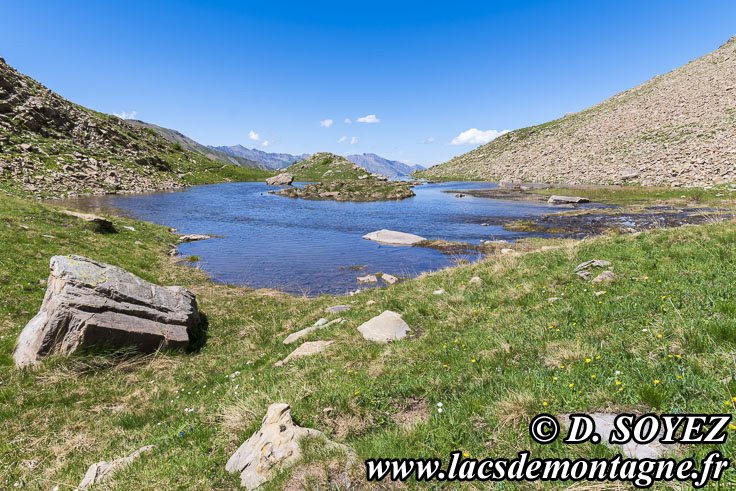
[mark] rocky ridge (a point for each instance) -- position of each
(675, 129)
(51, 147)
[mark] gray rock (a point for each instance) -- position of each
(629, 174)
(476, 280)
(558, 200)
(392, 237)
(318, 325)
(439, 292)
(337, 308)
(100, 471)
(604, 426)
(193, 237)
(91, 303)
(273, 446)
(605, 277)
(389, 326)
(371, 278)
(307, 349)
(101, 222)
(389, 279)
(593, 263)
(283, 179)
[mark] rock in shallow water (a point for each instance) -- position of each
(88, 303)
(392, 237)
(283, 179)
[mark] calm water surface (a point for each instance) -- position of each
(309, 247)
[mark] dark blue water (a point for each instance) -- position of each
(309, 247)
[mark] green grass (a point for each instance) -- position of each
(718, 195)
(494, 355)
(325, 166)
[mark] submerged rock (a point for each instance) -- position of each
(371, 278)
(275, 444)
(392, 237)
(90, 303)
(389, 326)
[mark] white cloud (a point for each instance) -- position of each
(326, 123)
(124, 115)
(348, 121)
(431, 139)
(253, 135)
(266, 143)
(342, 139)
(371, 118)
(354, 140)
(475, 136)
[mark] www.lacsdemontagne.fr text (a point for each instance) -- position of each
(639, 472)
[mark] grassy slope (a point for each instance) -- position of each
(177, 137)
(492, 355)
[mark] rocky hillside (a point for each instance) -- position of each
(50, 147)
(269, 159)
(325, 166)
(375, 163)
(175, 136)
(676, 129)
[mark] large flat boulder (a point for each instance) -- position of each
(389, 326)
(101, 222)
(283, 179)
(391, 237)
(273, 446)
(88, 303)
(562, 200)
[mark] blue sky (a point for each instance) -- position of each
(223, 72)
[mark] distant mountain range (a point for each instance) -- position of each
(379, 165)
(369, 161)
(176, 137)
(270, 160)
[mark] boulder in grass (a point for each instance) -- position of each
(273, 446)
(307, 349)
(102, 222)
(389, 326)
(88, 303)
(100, 471)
